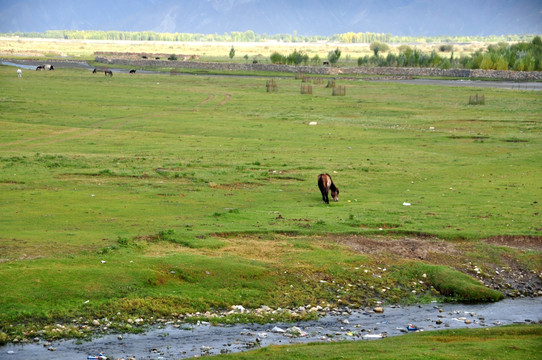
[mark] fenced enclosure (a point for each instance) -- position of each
(306, 89)
(271, 86)
(339, 90)
(477, 100)
(317, 80)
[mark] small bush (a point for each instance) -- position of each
(446, 48)
(166, 235)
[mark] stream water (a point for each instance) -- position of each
(187, 341)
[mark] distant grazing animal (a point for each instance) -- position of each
(19, 73)
(108, 72)
(325, 184)
(132, 71)
(45, 67)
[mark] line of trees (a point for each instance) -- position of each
(251, 36)
(299, 57)
(522, 56)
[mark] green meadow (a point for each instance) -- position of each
(153, 195)
(511, 342)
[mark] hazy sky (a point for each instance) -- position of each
(398, 17)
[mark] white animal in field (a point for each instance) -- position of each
(19, 73)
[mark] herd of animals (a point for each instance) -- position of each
(107, 72)
(325, 183)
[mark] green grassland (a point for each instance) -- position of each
(149, 195)
(513, 342)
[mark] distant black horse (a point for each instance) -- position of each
(325, 184)
(108, 72)
(45, 67)
(132, 71)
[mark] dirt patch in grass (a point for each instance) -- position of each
(406, 248)
(520, 242)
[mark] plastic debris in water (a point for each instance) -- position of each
(100, 356)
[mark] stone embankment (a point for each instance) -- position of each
(327, 70)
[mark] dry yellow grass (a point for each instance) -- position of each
(29, 47)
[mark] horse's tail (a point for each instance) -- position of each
(321, 184)
(324, 183)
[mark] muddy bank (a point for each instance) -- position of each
(177, 340)
(506, 274)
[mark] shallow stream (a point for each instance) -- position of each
(186, 341)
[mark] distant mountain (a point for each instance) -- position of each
(306, 17)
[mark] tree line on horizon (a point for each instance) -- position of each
(251, 36)
(521, 56)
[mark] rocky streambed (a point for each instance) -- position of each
(179, 340)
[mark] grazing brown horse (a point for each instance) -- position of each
(325, 184)
(106, 71)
